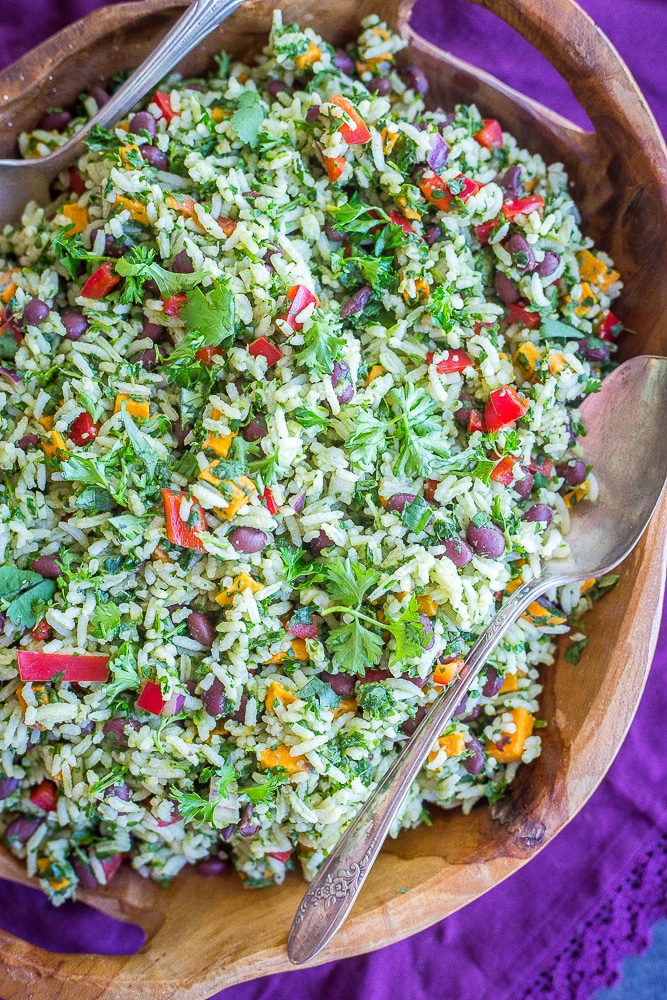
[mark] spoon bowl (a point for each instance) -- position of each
(627, 446)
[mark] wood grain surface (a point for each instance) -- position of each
(204, 936)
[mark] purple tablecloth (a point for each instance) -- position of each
(565, 922)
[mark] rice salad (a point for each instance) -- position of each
(290, 376)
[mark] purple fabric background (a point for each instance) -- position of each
(565, 921)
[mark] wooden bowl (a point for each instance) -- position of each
(620, 182)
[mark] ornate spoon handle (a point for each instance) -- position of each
(333, 891)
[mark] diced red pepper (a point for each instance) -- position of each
(302, 629)
(503, 473)
(452, 361)
(101, 282)
(151, 699)
(440, 193)
(296, 300)
(83, 429)
(207, 354)
(76, 181)
(41, 631)
(266, 349)
(226, 224)
(610, 327)
(111, 865)
(430, 486)
(545, 467)
(483, 231)
(173, 305)
(522, 206)
(334, 166)
(400, 220)
(178, 532)
(503, 408)
(45, 796)
(269, 501)
(358, 134)
(35, 666)
(280, 855)
(490, 135)
(163, 102)
(517, 313)
(475, 422)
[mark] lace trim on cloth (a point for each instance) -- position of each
(620, 927)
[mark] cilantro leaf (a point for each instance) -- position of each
(141, 443)
(554, 329)
(408, 632)
(70, 251)
(317, 416)
(94, 500)
(211, 313)
(263, 791)
(21, 610)
(320, 693)
(247, 120)
(138, 265)
(376, 700)
(8, 346)
(416, 515)
(103, 140)
(105, 621)
(322, 344)
(422, 446)
(294, 566)
(124, 672)
(89, 471)
(356, 217)
(113, 777)
(354, 647)
(348, 582)
(367, 438)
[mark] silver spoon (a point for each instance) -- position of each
(22, 181)
(627, 445)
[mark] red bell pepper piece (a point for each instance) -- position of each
(83, 429)
(610, 327)
(429, 488)
(475, 422)
(45, 796)
(490, 135)
(101, 282)
(442, 193)
(269, 501)
(151, 699)
(280, 855)
(503, 473)
(483, 231)
(34, 666)
(503, 408)
(163, 102)
(76, 181)
(41, 632)
(353, 135)
(522, 206)
(517, 313)
(452, 361)
(111, 865)
(334, 166)
(172, 306)
(545, 467)
(178, 532)
(266, 349)
(400, 220)
(206, 354)
(296, 300)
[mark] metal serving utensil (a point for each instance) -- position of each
(627, 444)
(22, 181)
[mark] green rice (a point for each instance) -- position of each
(278, 772)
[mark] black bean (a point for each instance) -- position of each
(200, 628)
(506, 290)
(340, 373)
(35, 312)
(7, 787)
(84, 873)
(116, 730)
(342, 684)
(55, 121)
(148, 359)
(28, 441)
(431, 234)
(573, 471)
(538, 512)
(334, 234)
(343, 62)
(213, 866)
(522, 252)
(313, 113)
(524, 487)
(549, 264)
(486, 540)
(215, 700)
(255, 430)
(275, 87)
(346, 394)
(239, 714)
(143, 121)
(248, 540)
(154, 157)
(152, 330)
(99, 95)
(475, 763)
(357, 302)
(321, 542)
(21, 829)
(121, 791)
(399, 501)
(413, 78)
(458, 550)
(593, 349)
(410, 725)
(46, 566)
(493, 683)
(375, 676)
(247, 827)
(510, 182)
(380, 85)
(75, 324)
(182, 263)
(298, 503)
